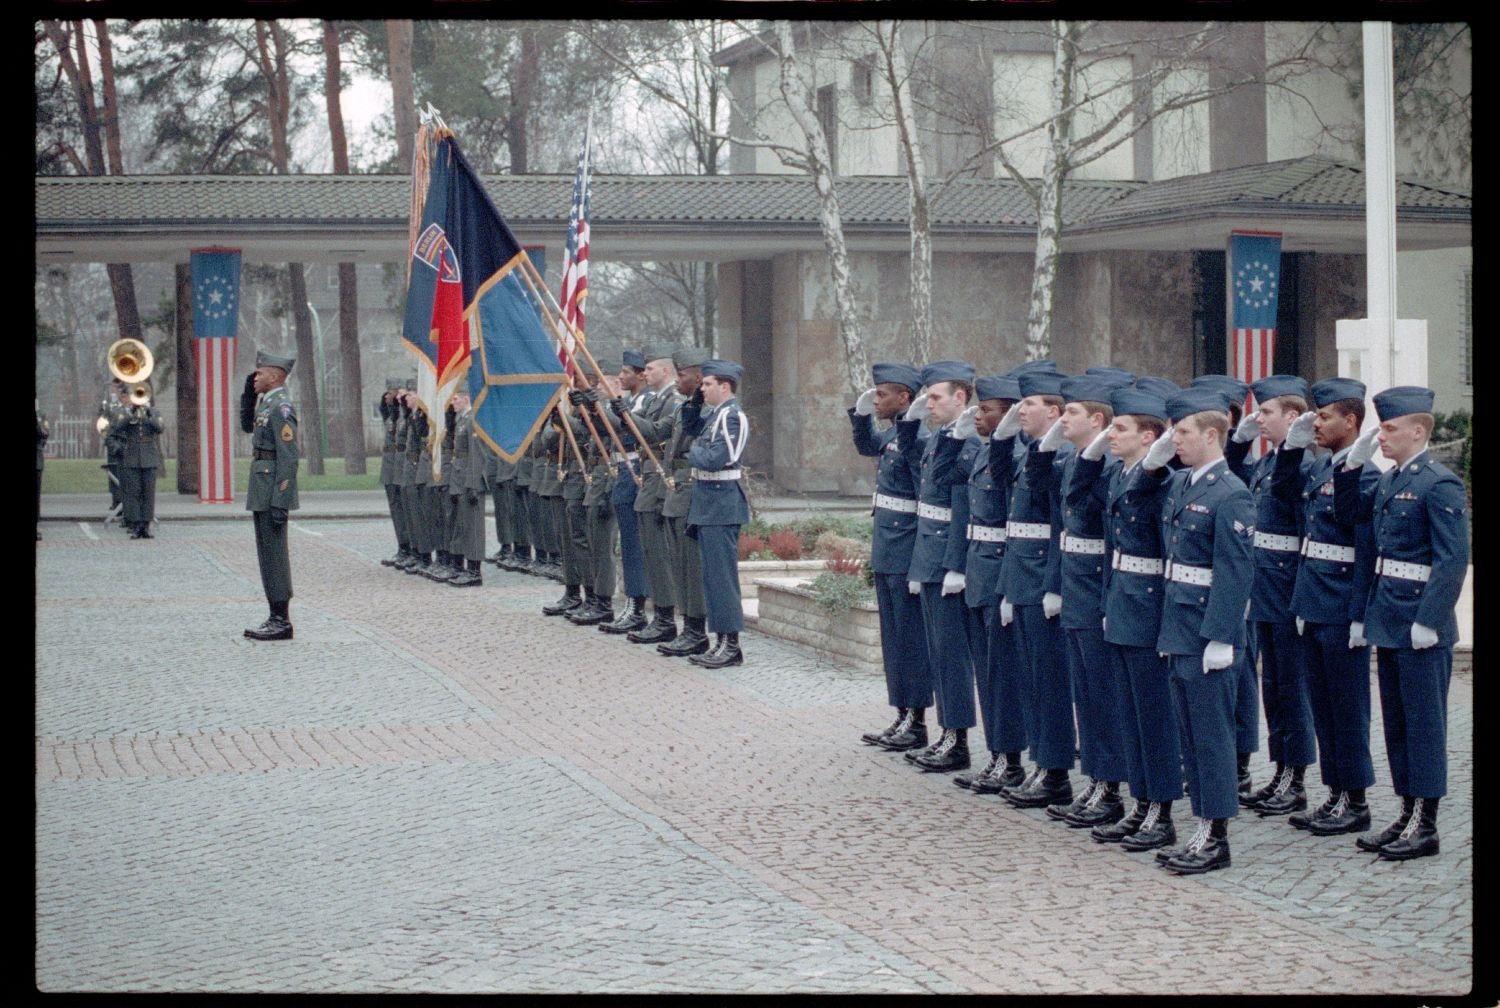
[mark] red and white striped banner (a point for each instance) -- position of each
(218, 402)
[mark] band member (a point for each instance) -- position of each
(272, 493)
(140, 461)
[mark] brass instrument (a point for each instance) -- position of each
(140, 394)
(130, 361)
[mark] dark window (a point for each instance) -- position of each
(862, 80)
(828, 117)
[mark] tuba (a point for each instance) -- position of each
(130, 361)
(140, 393)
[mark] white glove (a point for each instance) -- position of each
(918, 408)
(1160, 452)
(1249, 428)
(953, 582)
(1300, 433)
(1363, 449)
(1007, 612)
(1301, 623)
(1051, 605)
(1053, 439)
(1104, 624)
(1422, 637)
(1357, 635)
(963, 427)
(914, 587)
(865, 404)
(1217, 656)
(1009, 425)
(1095, 448)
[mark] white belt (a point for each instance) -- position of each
(1201, 576)
(986, 533)
(1272, 541)
(722, 474)
(1135, 564)
(1314, 550)
(1028, 530)
(934, 512)
(1404, 571)
(901, 504)
(1078, 544)
(628, 457)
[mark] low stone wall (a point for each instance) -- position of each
(751, 571)
(791, 612)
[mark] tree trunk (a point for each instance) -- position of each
(187, 385)
(353, 425)
(311, 407)
(1050, 192)
(403, 93)
(918, 221)
(528, 71)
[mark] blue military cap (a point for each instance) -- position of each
(1046, 364)
(1157, 386)
(1275, 385)
(634, 358)
(1125, 377)
(947, 370)
(1331, 390)
(392, 384)
(1402, 401)
(263, 359)
(997, 387)
(717, 368)
(1195, 400)
(897, 374)
(1232, 386)
(658, 351)
(1138, 401)
(1040, 383)
(686, 357)
(1090, 388)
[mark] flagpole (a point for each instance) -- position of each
(573, 442)
(603, 446)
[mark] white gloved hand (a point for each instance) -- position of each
(1363, 449)
(1053, 439)
(914, 587)
(918, 408)
(1095, 449)
(1422, 637)
(1160, 452)
(1300, 433)
(1007, 612)
(953, 582)
(1249, 428)
(1104, 624)
(1051, 605)
(1357, 635)
(1216, 656)
(963, 427)
(865, 404)
(1009, 425)
(1301, 623)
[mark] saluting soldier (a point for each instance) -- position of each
(657, 418)
(687, 563)
(1418, 510)
(413, 429)
(273, 486)
(419, 453)
(466, 491)
(903, 646)
(391, 447)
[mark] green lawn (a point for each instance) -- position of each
(86, 476)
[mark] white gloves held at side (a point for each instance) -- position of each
(914, 587)
(953, 582)
(1217, 655)
(1423, 637)
(1051, 605)
(1007, 612)
(1357, 635)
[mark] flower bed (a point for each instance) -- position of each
(788, 609)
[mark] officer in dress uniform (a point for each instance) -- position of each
(140, 461)
(620, 501)
(1418, 510)
(655, 414)
(1208, 520)
(390, 427)
(687, 563)
(720, 432)
(271, 422)
(1133, 591)
(939, 558)
(903, 647)
(466, 491)
(1333, 585)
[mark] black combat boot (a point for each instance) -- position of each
(875, 737)
(964, 780)
(1304, 819)
(585, 612)
(392, 560)
(1246, 785)
(692, 640)
(1025, 783)
(952, 753)
(1207, 851)
(660, 630)
(603, 612)
(570, 600)
(1419, 838)
(633, 618)
(467, 577)
(910, 735)
(726, 652)
(1391, 832)
(1155, 832)
(1260, 794)
(1106, 807)
(1290, 794)
(1062, 811)
(1051, 788)
(277, 627)
(1008, 774)
(1350, 814)
(1121, 828)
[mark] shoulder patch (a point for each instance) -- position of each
(286, 409)
(287, 433)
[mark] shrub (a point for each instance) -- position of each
(839, 592)
(830, 543)
(750, 545)
(786, 544)
(840, 563)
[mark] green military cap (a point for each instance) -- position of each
(263, 359)
(392, 384)
(686, 357)
(658, 351)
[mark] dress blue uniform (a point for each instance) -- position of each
(903, 646)
(718, 510)
(1418, 510)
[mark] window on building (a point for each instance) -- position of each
(828, 117)
(1466, 324)
(1179, 138)
(1023, 96)
(862, 80)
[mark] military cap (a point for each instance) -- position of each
(717, 368)
(263, 359)
(686, 357)
(634, 358)
(1124, 377)
(1046, 364)
(658, 351)
(897, 374)
(1331, 390)
(1232, 386)
(997, 387)
(1271, 386)
(1196, 399)
(1136, 401)
(947, 370)
(392, 384)
(1089, 388)
(1041, 383)
(1156, 386)
(1403, 400)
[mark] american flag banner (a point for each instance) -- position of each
(216, 296)
(575, 275)
(1254, 271)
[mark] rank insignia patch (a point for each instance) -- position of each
(286, 432)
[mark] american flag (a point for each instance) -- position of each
(216, 292)
(575, 275)
(1254, 271)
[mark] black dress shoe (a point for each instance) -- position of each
(1204, 853)
(964, 780)
(908, 739)
(726, 651)
(1010, 775)
(568, 602)
(1419, 838)
(1062, 811)
(875, 737)
(1156, 832)
(1043, 792)
(274, 628)
(951, 754)
(1391, 832)
(1106, 807)
(1114, 832)
(1346, 816)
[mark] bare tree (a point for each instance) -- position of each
(403, 92)
(353, 420)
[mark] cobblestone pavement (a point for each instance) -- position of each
(433, 790)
